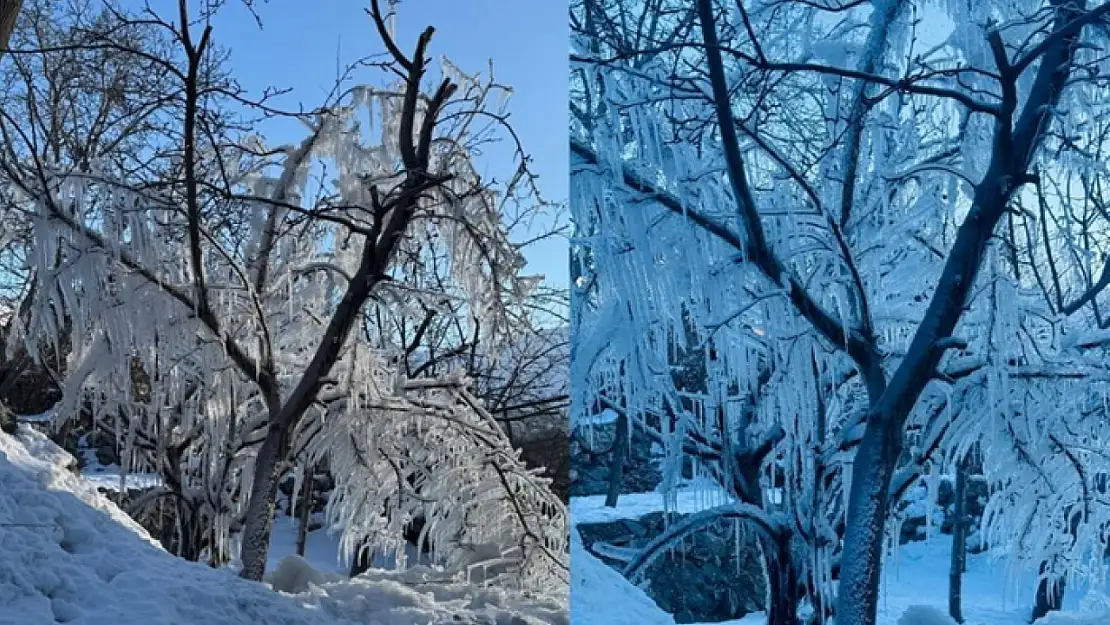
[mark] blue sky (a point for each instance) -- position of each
(302, 44)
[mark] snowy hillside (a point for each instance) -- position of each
(70, 555)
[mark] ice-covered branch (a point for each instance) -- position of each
(770, 526)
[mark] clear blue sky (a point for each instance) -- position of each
(302, 43)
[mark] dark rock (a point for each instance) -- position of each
(33, 392)
(8, 423)
(591, 456)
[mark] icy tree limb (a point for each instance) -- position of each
(769, 526)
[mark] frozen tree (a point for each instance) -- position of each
(836, 199)
(53, 108)
(218, 291)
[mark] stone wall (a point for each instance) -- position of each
(591, 459)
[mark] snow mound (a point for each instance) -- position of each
(1071, 618)
(925, 615)
(71, 556)
(294, 575)
(600, 595)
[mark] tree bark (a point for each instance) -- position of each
(782, 582)
(1015, 145)
(620, 454)
(958, 562)
(304, 512)
(9, 11)
(8, 422)
(260, 510)
(188, 524)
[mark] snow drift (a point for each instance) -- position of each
(71, 556)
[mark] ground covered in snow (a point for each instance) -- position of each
(68, 555)
(915, 584)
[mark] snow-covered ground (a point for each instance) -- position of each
(322, 549)
(69, 555)
(917, 575)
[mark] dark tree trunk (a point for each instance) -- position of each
(188, 535)
(260, 509)
(1050, 589)
(9, 11)
(959, 544)
(377, 254)
(304, 512)
(782, 583)
(189, 532)
(620, 454)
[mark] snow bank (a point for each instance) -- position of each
(1070, 618)
(599, 595)
(69, 555)
(294, 575)
(925, 615)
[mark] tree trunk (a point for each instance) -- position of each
(190, 532)
(217, 556)
(9, 11)
(861, 558)
(782, 583)
(187, 533)
(377, 254)
(620, 454)
(1050, 588)
(879, 451)
(959, 544)
(304, 513)
(260, 509)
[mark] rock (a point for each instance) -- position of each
(591, 456)
(8, 423)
